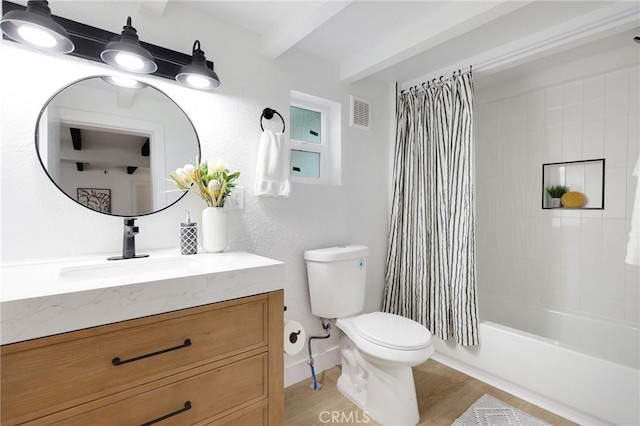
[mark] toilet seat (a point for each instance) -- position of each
(382, 352)
(392, 331)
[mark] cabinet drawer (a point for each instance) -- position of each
(68, 371)
(254, 415)
(206, 395)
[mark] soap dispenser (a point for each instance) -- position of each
(188, 236)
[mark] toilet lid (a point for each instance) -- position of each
(392, 331)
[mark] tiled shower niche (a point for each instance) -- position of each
(584, 176)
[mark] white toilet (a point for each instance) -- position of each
(378, 349)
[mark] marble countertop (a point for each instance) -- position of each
(39, 299)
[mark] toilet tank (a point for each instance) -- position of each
(337, 278)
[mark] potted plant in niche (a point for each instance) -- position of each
(556, 192)
(212, 182)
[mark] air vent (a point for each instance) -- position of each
(360, 114)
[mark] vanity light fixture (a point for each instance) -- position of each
(197, 75)
(125, 52)
(36, 28)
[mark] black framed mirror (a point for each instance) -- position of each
(111, 148)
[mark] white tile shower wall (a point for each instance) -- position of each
(571, 260)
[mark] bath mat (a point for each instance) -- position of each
(488, 411)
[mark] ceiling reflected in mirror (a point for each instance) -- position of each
(121, 143)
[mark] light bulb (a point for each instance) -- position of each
(129, 61)
(36, 36)
(197, 81)
(124, 81)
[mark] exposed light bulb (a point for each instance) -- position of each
(36, 36)
(197, 81)
(124, 81)
(129, 61)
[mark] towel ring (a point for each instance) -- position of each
(268, 114)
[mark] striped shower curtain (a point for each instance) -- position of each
(430, 273)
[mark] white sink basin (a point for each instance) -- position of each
(150, 268)
(69, 276)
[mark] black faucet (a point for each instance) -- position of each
(129, 241)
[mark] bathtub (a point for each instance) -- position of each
(586, 371)
(614, 341)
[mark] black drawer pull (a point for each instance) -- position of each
(117, 361)
(187, 407)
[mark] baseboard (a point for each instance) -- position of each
(300, 370)
(517, 391)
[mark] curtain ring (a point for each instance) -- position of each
(268, 114)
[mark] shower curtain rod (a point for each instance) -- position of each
(433, 83)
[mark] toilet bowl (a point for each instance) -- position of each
(378, 349)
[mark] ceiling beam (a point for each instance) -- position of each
(300, 20)
(76, 138)
(103, 157)
(600, 23)
(424, 34)
(145, 150)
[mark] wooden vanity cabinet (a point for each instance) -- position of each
(214, 364)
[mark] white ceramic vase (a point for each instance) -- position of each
(215, 230)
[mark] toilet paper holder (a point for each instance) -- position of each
(293, 337)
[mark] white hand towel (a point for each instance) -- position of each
(633, 247)
(272, 167)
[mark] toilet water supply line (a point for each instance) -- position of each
(326, 325)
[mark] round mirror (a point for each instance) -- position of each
(111, 148)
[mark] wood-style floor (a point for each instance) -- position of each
(443, 395)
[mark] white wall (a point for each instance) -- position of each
(117, 180)
(39, 222)
(572, 260)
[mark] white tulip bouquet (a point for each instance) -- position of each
(212, 181)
